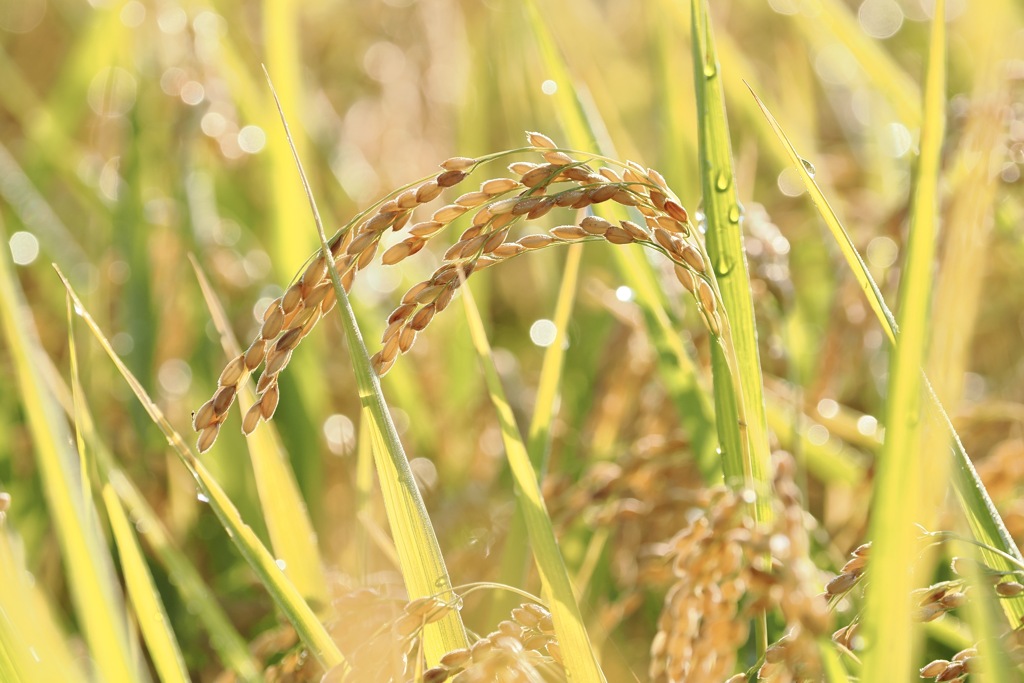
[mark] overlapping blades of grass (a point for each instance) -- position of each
(577, 652)
(896, 503)
(420, 559)
(985, 522)
(284, 593)
(538, 441)
(94, 590)
(284, 510)
(198, 598)
(147, 605)
(724, 241)
(143, 596)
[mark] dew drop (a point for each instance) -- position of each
(201, 497)
(723, 181)
(809, 167)
(735, 213)
(710, 69)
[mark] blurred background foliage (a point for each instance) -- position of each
(135, 133)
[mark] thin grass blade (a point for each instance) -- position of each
(538, 442)
(283, 592)
(198, 598)
(421, 561)
(724, 241)
(146, 603)
(577, 654)
(897, 500)
(142, 593)
(94, 589)
(284, 510)
(985, 521)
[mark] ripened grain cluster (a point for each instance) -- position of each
(727, 567)
(496, 207)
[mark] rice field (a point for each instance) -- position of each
(511, 342)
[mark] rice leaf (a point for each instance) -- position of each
(577, 654)
(92, 581)
(897, 500)
(291, 531)
(283, 592)
(142, 593)
(421, 561)
(724, 241)
(538, 444)
(538, 441)
(984, 519)
(147, 605)
(198, 598)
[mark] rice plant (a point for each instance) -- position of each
(714, 379)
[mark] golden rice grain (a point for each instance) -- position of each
(595, 225)
(448, 213)
(501, 221)
(255, 354)
(541, 174)
(204, 417)
(570, 197)
(267, 380)
(232, 372)
(450, 178)
(472, 199)
(207, 437)
(407, 200)
(543, 206)
(603, 193)
(557, 158)
(292, 298)
(396, 253)
(508, 250)
(521, 167)
(428, 191)
(276, 362)
(569, 232)
(458, 164)
(617, 235)
(692, 257)
(406, 339)
(497, 186)
(223, 399)
(634, 230)
(422, 318)
(268, 402)
(494, 240)
(426, 228)
(540, 140)
(676, 211)
(503, 206)
(536, 241)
